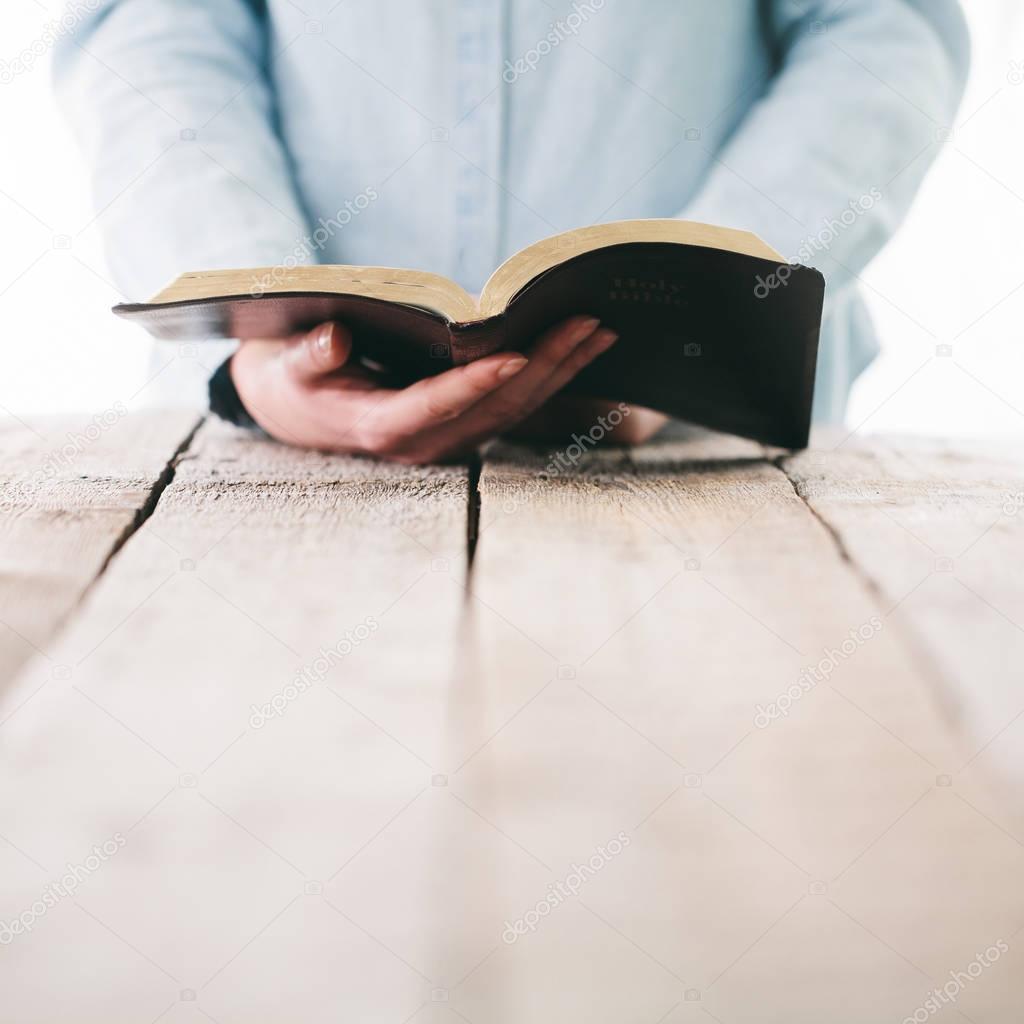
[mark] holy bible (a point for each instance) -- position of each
(715, 327)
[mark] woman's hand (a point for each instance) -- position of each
(603, 421)
(303, 391)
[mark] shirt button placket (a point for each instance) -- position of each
(477, 139)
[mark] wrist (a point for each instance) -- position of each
(225, 401)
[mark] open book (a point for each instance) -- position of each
(715, 326)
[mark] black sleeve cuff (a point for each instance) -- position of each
(224, 400)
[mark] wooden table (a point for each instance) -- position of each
(697, 732)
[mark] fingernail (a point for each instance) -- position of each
(604, 338)
(585, 328)
(512, 367)
(323, 339)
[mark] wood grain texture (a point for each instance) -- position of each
(938, 530)
(254, 688)
(70, 488)
(341, 769)
(808, 866)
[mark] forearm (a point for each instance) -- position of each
(826, 165)
(170, 102)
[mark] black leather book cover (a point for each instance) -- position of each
(703, 337)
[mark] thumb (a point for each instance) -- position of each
(324, 349)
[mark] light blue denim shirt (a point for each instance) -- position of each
(446, 135)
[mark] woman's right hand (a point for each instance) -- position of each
(303, 391)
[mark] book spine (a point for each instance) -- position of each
(476, 340)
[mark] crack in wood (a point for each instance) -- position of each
(914, 642)
(840, 545)
(475, 467)
(145, 511)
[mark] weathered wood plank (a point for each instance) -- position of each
(257, 685)
(70, 489)
(319, 820)
(938, 529)
(809, 866)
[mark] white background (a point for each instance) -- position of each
(953, 277)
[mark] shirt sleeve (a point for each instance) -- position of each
(826, 164)
(171, 103)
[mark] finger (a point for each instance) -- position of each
(321, 351)
(620, 423)
(507, 405)
(412, 412)
(556, 344)
(429, 415)
(551, 350)
(516, 400)
(583, 355)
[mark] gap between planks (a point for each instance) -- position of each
(474, 510)
(146, 510)
(917, 649)
(73, 508)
